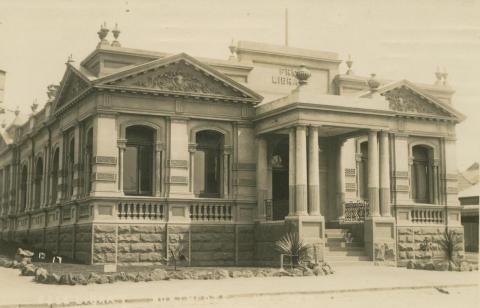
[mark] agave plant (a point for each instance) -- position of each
(291, 245)
(451, 243)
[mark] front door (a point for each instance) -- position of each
(280, 193)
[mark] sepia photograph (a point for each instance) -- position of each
(239, 153)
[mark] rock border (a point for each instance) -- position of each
(41, 275)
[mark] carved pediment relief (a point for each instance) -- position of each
(404, 100)
(73, 87)
(180, 77)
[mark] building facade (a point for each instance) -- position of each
(138, 151)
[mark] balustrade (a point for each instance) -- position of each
(208, 211)
(421, 215)
(137, 210)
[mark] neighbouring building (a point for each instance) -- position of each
(137, 151)
(468, 195)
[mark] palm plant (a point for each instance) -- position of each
(451, 243)
(292, 245)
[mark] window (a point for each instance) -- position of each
(208, 162)
(55, 168)
(138, 163)
(23, 189)
(89, 161)
(38, 182)
(421, 174)
(363, 171)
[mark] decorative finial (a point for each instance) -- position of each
(52, 91)
(302, 75)
(445, 76)
(373, 83)
(34, 105)
(439, 77)
(102, 34)
(70, 59)
(116, 34)
(349, 63)
(233, 50)
(17, 111)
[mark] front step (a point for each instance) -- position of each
(338, 252)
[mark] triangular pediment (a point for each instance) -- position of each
(72, 86)
(180, 75)
(404, 97)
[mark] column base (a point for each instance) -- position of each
(380, 239)
(311, 230)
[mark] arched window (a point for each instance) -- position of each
(23, 189)
(138, 161)
(55, 168)
(363, 171)
(89, 161)
(208, 164)
(38, 182)
(421, 174)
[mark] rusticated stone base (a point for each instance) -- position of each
(420, 244)
(141, 243)
(37, 238)
(66, 241)
(266, 234)
(83, 243)
(212, 245)
(51, 240)
(104, 244)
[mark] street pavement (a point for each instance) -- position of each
(348, 283)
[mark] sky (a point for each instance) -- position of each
(394, 39)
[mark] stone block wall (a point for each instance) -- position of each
(104, 243)
(37, 238)
(265, 237)
(141, 243)
(66, 241)
(83, 243)
(212, 245)
(245, 244)
(51, 240)
(411, 239)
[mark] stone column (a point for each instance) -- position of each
(226, 171)
(340, 181)
(261, 177)
(122, 146)
(192, 148)
(61, 169)
(435, 180)
(313, 172)
(158, 169)
(301, 171)
(373, 196)
(384, 174)
(291, 172)
(76, 163)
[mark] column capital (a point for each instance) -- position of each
(192, 147)
(122, 143)
(159, 146)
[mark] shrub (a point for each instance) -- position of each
(176, 253)
(292, 245)
(451, 243)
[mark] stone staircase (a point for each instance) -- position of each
(339, 252)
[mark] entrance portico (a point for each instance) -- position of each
(301, 143)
